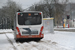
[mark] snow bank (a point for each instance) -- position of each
(61, 27)
(5, 30)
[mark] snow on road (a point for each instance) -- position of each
(57, 41)
(65, 39)
(44, 44)
(5, 30)
(4, 43)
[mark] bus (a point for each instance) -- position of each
(28, 25)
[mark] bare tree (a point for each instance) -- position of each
(51, 8)
(9, 11)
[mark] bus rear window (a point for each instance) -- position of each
(29, 18)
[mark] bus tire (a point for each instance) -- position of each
(38, 39)
(16, 40)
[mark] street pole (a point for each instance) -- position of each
(68, 23)
(2, 23)
(63, 22)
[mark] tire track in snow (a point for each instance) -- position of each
(53, 44)
(46, 45)
(16, 45)
(27, 46)
(11, 42)
(30, 46)
(19, 46)
(41, 45)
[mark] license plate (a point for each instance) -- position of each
(30, 36)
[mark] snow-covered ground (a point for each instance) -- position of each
(66, 39)
(44, 44)
(5, 30)
(4, 43)
(57, 41)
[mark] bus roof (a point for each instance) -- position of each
(29, 11)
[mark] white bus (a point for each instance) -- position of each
(28, 25)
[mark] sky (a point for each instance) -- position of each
(25, 3)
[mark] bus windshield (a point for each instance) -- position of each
(29, 18)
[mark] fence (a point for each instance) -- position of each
(5, 23)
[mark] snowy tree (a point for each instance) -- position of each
(50, 8)
(8, 12)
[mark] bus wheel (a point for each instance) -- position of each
(37, 40)
(16, 40)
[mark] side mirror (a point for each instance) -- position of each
(12, 28)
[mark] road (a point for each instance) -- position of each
(4, 43)
(49, 42)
